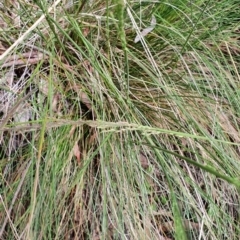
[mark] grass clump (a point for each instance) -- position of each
(104, 137)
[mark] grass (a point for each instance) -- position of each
(105, 138)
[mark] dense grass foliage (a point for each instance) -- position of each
(103, 136)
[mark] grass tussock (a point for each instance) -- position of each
(106, 137)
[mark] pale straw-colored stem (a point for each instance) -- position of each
(24, 35)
